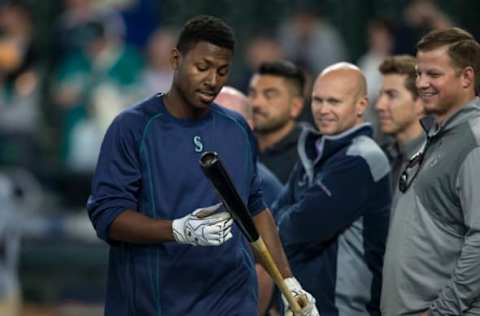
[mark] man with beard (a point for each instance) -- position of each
(235, 100)
(276, 96)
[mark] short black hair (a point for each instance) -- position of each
(205, 28)
(287, 70)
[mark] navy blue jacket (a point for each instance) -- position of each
(149, 163)
(333, 219)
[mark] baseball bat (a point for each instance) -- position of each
(217, 174)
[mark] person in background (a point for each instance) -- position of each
(399, 112)
(158, 74)
(70, 24)
(333, 216)
(433, 249)
(20, 88)
(276, 96)
(262, 47)
(381, 41)
(416, 19)
(92, 85)
(309, 39)
(235, 100)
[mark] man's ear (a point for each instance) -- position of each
(175, 58)
(297, 107)
(361, 106)
(468, 77)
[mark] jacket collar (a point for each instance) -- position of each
(432, 129)
(394, 150)
(314, 147)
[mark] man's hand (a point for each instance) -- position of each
(305, 299)
(203, 227)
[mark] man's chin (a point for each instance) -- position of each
(430, 103)
(430, 108)
(261, 130)
(387, 129)
(326, 131)
(267, 129)
(201, 103)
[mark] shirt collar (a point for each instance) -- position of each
(339, 139)
(409, 148)
(433, 129)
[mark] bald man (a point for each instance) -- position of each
(235, 100)
(333, 215)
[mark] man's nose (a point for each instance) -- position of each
(212, 79)
(422, 82)
(255, 102)
(380, 104)
(323, 108)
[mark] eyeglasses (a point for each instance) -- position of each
(411, 171)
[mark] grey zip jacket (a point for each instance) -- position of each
(432, 259)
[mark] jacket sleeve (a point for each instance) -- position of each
(256, 201)
(464, 286)
(333, 202)
(116, 183)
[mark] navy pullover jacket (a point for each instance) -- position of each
(149, 163)
(333, 219)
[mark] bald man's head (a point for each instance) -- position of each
(235, 100)
(339, 98)
(352, 74)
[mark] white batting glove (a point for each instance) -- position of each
(305, 299)
(203, 227)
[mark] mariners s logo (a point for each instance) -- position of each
(197, 141)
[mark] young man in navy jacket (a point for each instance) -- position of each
(173, 251)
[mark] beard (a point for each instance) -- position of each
(270, 126)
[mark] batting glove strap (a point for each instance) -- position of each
(307, 300)
(203, 227)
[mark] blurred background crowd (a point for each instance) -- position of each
(67, 67)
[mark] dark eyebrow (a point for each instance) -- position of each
(211, 62)
(270, 89)
(390, 91)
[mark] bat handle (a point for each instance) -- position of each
(264, 255)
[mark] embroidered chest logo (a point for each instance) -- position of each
(197, 141)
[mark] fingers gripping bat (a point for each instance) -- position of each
(217, 174)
